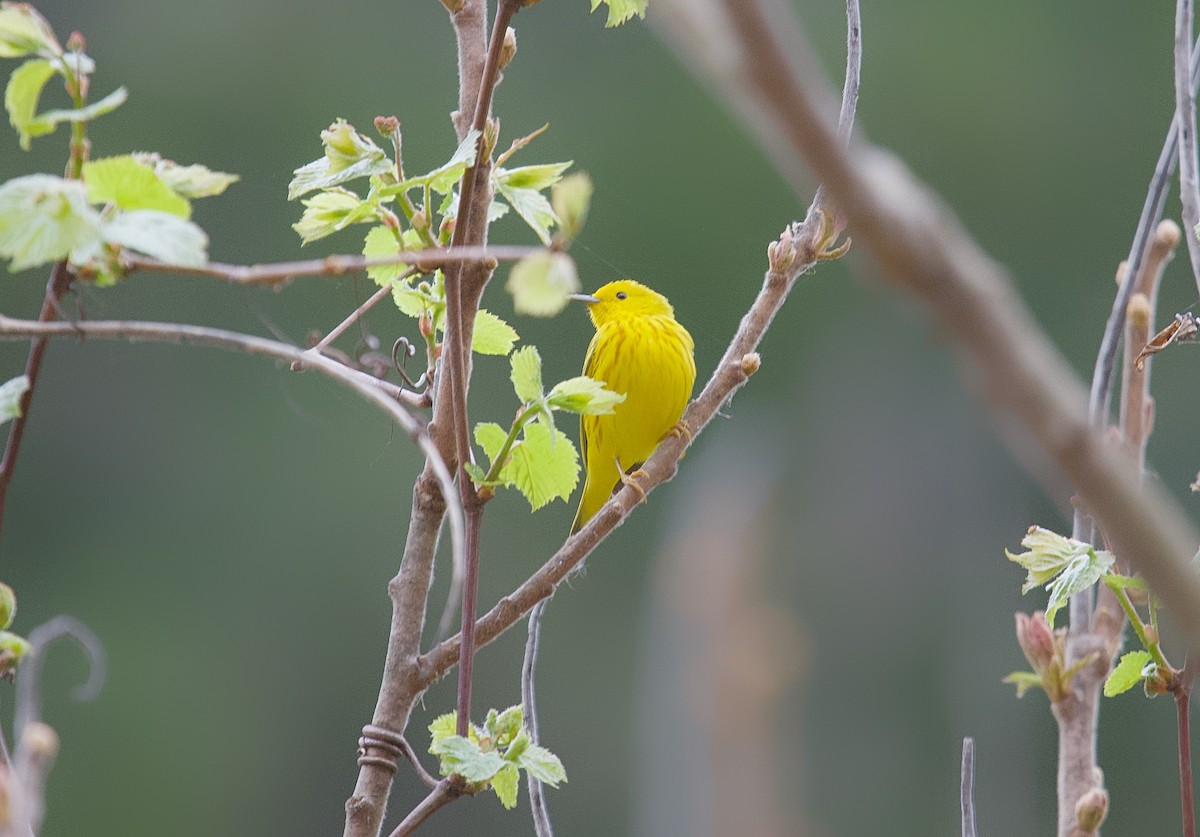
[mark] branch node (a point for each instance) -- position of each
(751, 362)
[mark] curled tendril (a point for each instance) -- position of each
(28, 709)
(402, 350)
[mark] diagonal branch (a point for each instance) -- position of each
(1185, 122)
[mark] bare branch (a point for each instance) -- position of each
(425, 261)
(362, 384)
(56, 287)
(967, 788)
(1185, 122)
(445, 792)
(537, 793)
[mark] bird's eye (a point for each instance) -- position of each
(621, 295)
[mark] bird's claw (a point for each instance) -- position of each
(631, 480)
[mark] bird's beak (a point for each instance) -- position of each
(585, 298)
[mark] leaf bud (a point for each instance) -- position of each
(751, 361)
(387, 125)
(8, 606)
(40, 740)
(76, 42)
(1036, 640)
(508, 49)
(1091, 809)
(12, 649)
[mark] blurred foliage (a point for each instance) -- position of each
(228, 528)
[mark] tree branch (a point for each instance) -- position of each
(425, 261)
(56, 287)
(362, 384)
(1185, 120)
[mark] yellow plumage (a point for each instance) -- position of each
(642, 351)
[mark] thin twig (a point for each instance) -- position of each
(443, 793)
(458, 351)
(280, 272)
(966, 789)
(1185, 116)
(357, 315)
(537, 793)
(1183, 694)
(56, 287)
(406, 749)
(359, 382)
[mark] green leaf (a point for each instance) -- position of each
(1127, 673)
(43, 218)
(570, 198)
(131, 185)
(506, 725)
(492, 336)
(1116, 581)
(160, 235)
(443, 726)
(543, 765)
(87, 113)
(531, 177)
(10, 399)
(505, 784)
(348, 155)
(541, 281)
(381, 243)
(544, 465)
(25, 32)
(443, 178)
(491, 437)
(533, 207)
(194, 181)
(21, 99)
(1024, 681)
(327, 212)
(526, 374)
(464, 757)
(1066, 566)
(620, 11)
(583, 395)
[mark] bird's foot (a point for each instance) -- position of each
(631, 480)
(681, 430)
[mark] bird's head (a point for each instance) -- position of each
(624, 299)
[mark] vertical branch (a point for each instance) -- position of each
(1183, 696)
(966, 789)
(537, 793)
(56, 287)
(1185, 114)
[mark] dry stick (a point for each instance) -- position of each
(277, 273)
(359, 382)
(459, 348)
(966, 788)
(1185, 110)
(56, 287)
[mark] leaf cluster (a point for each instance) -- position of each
(493, 755)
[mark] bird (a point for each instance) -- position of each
(643, 352)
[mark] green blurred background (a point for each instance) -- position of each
(228, 528)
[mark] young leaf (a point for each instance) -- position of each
(544, 465)
(506, 725)
(381, 243)
(43, 218)
(87, 113)
(327, 212)
(443, 726)
(1127, 673)
(21, 99)
(160, 235)
(443, 178)
(25, 32)
(1080, 573)
(464, 757)
(505, 784)
(131, 185)
(583, 395)
(492, 336)
(620, 11)
(194, 181)
(543, 765)
(1024, 681)
(348, 155)
(10, 399)
(541, 281)
(533, 207)
(491, 437)
(570, 199)
(531, 177)
(526, 374)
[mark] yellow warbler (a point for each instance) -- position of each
(642, 351)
